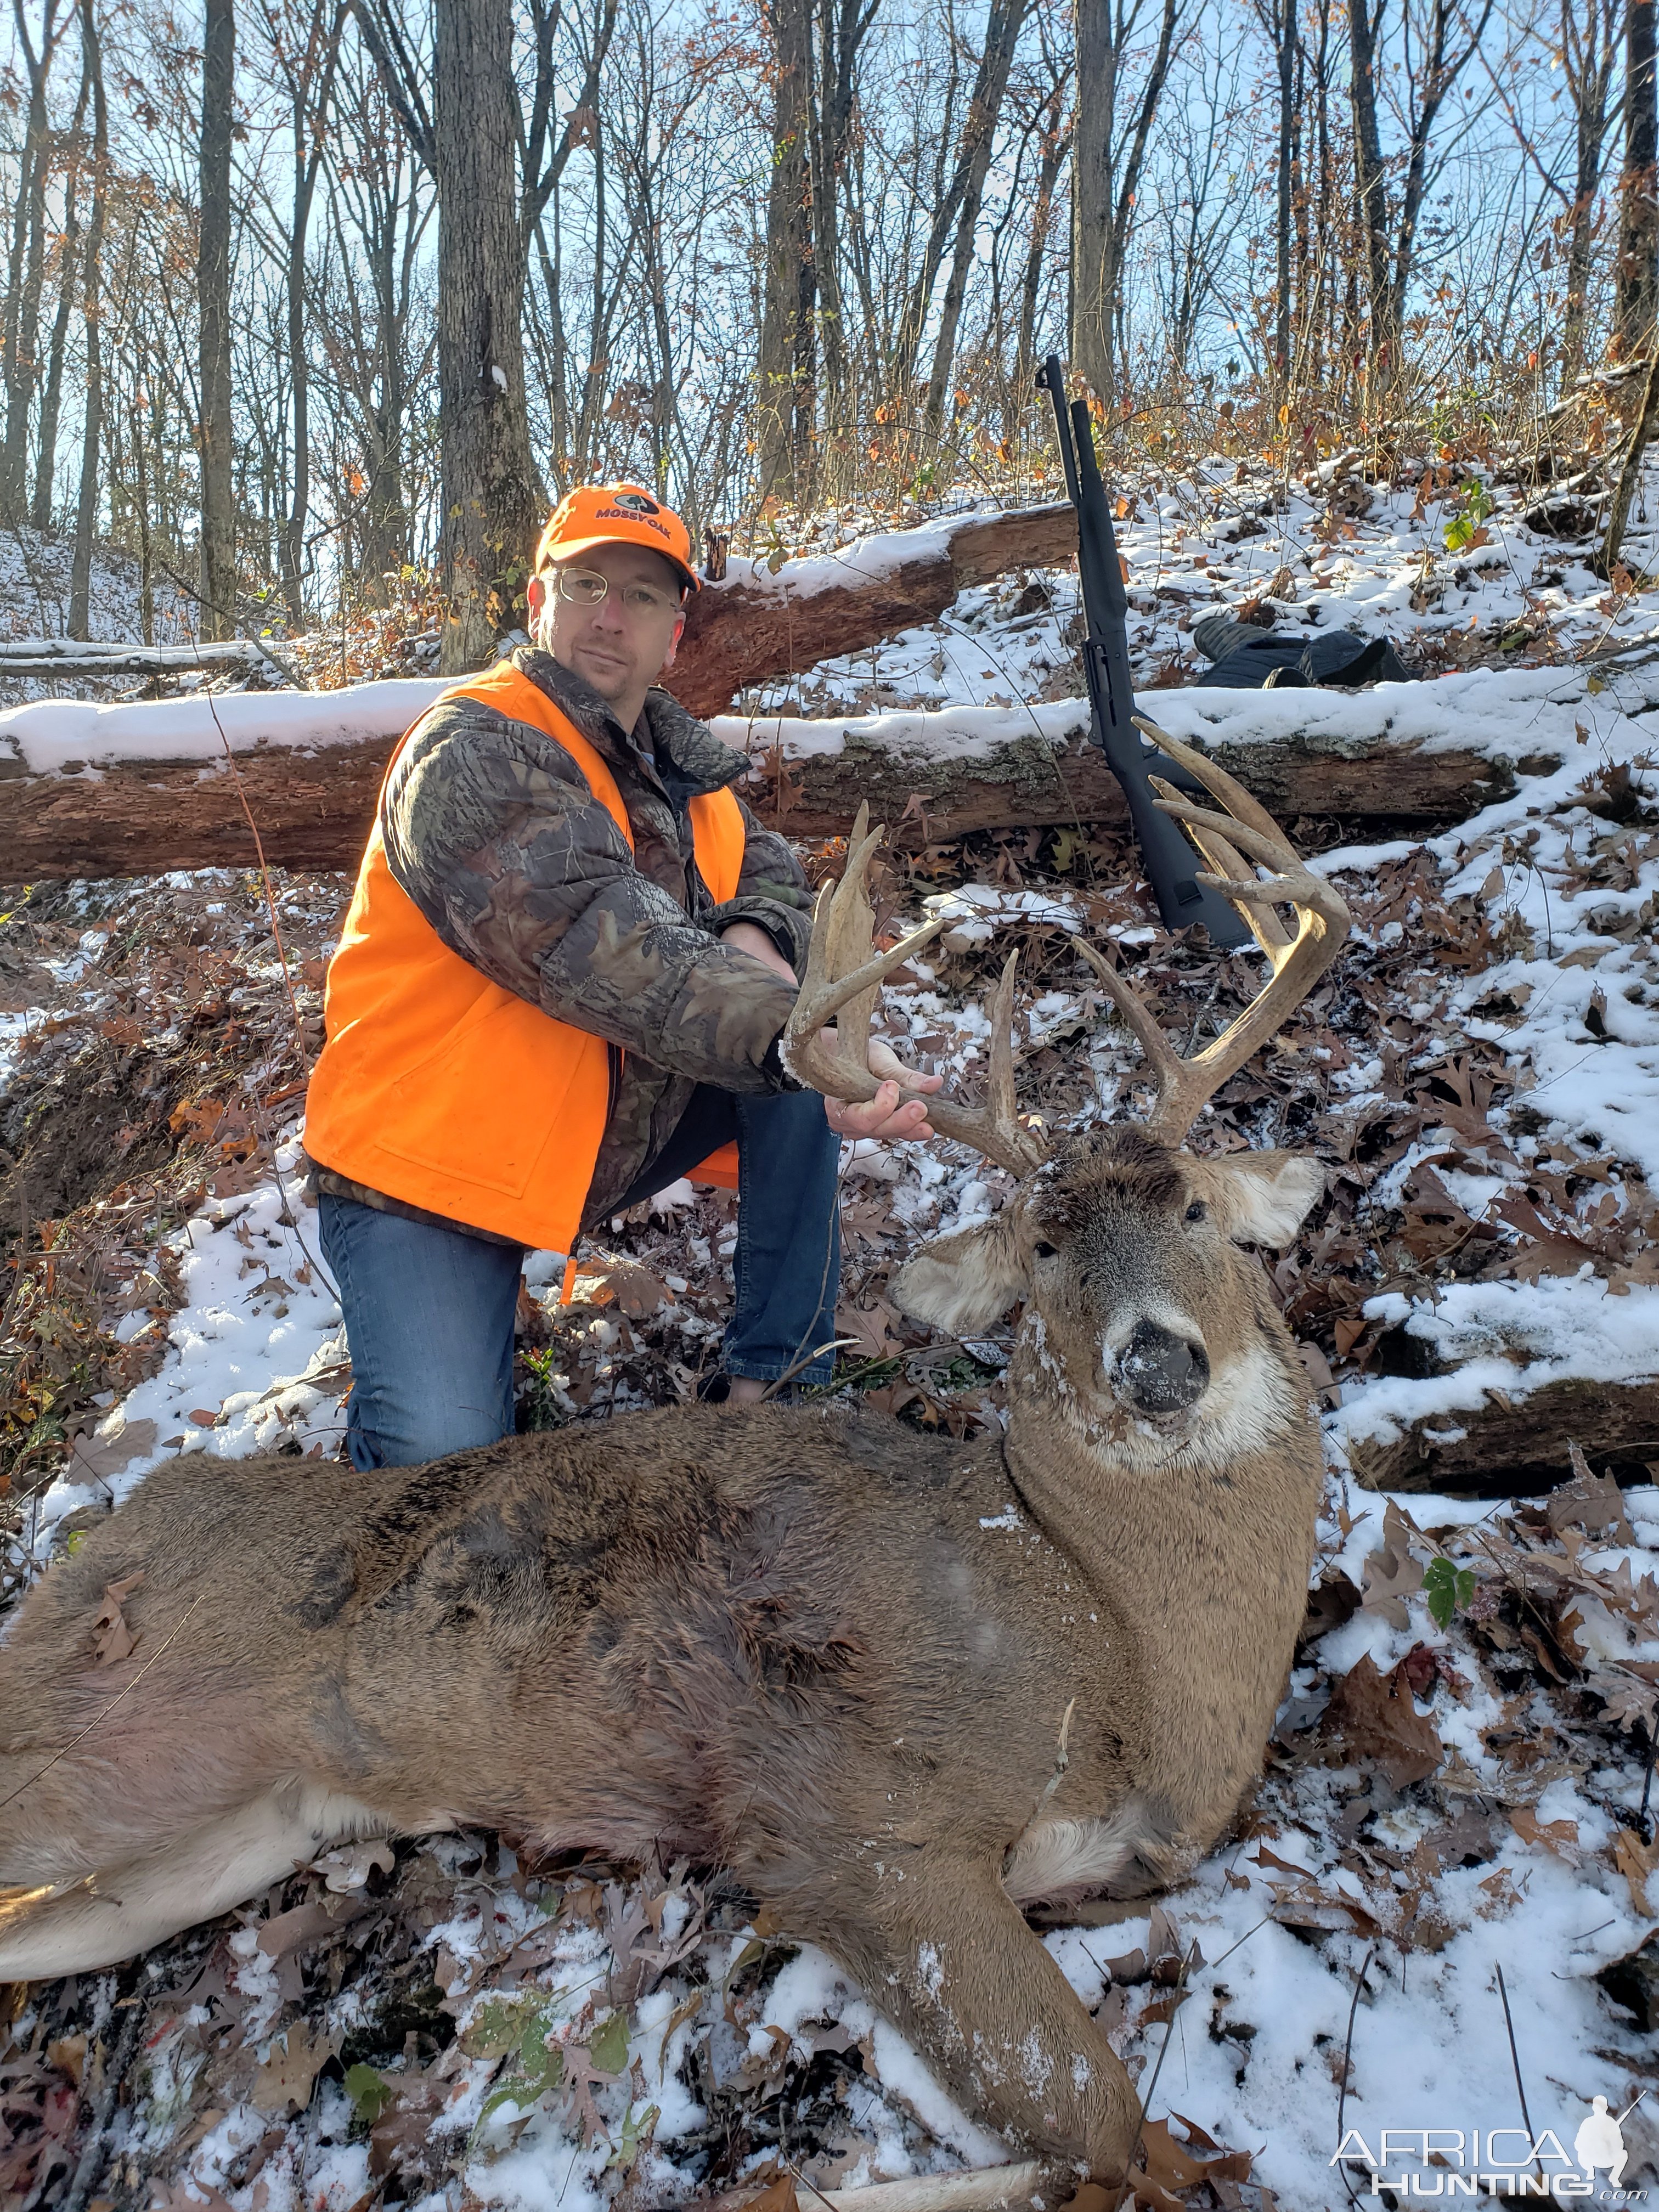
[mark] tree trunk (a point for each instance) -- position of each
(784, 396)
(1370, 192)
(1106, 172)
(310, 118)
(1636, 285)
(86, 510)
(19, 358)
(218, 561)
(1091, 336)
(492, 498)
(1002, 30)
(1283, 23)
(1056, 144)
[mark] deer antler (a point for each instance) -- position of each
(841, 980)
(1322, 919)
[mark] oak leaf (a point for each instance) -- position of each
(1372, 1716)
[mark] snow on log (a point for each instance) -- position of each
(755, 624)
(1516, 1446)
(90, 790)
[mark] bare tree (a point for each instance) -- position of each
(785, 369)
(26, 264)
(475, 143)
(1109, 157)
(964, 200)
(1636, 285)
(92, 430)
(1433, 60)
(218, 498)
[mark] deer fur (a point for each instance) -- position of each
(813, 1646)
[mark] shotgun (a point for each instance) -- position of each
(1171, 864)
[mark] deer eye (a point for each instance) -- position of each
(1197, 1211)
(1044, 1251)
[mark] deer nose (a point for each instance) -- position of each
(1162, 1373)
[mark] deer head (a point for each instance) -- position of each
(1143, 1319)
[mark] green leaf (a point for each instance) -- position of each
(609, 2048)
(1446, 1586)
(504, 2022)
(635, 2134)
(368, 2092)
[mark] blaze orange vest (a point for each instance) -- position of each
(440, 1088)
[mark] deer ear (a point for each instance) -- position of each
(1266, 1196)
(966, 1281)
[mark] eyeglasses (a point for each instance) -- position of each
(585, 588)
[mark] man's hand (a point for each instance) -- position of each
(880, 1116)
(883, 1115)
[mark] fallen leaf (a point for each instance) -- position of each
(202, 1418)
(1636, 1861)
(290, 2073)
(349, 1866)
(1392, 1575)
(95, 1458)
(1560, 1836)
(113, 1640)
(1372, 1716)
(1591, 1502)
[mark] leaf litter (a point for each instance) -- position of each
(1455, 1781)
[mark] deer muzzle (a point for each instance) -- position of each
(1159, 1372)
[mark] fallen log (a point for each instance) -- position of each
(1516, 1445)
(754, 624)
(138, 790)
(100, 657)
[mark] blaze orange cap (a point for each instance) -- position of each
(616, 515)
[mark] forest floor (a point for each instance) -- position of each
(1456, 1784)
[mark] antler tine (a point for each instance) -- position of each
(1217, 836)
(841, 980)
(1246, 832)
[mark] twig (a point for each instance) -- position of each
(1515, 2061)
(1348, 2055)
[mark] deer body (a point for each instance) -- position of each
(899, 1685)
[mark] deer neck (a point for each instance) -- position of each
(1199, 1547)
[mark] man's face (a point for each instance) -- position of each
(620, 649)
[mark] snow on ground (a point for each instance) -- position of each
(1526, 1853)
(34, 599)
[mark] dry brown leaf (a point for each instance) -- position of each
(1392, 1575)
(1588, 1501)
(113, 1640)
(95, 1458)
(289, 2073)
(1636, 1861)
(1560, 1836)
(778, 2197)
(1372, 1716)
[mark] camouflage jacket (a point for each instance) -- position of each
(494, 832)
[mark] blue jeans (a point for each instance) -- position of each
(429, 1311)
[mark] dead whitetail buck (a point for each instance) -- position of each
(899, 1686)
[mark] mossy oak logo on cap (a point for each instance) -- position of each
(635, 502)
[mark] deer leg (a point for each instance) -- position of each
(74, 1925)
(944, 1950)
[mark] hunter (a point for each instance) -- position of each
(561, 986)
